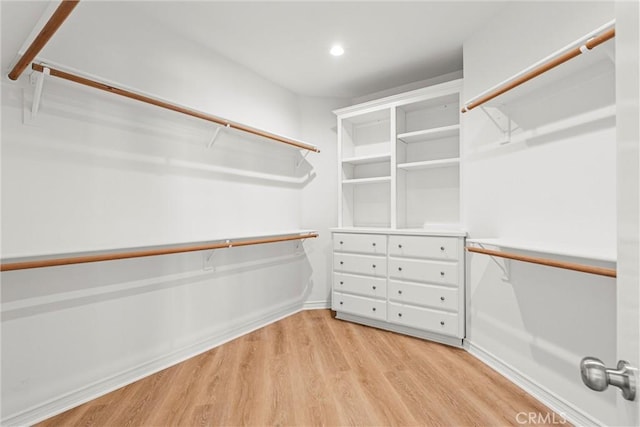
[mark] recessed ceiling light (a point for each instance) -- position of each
(336, 50)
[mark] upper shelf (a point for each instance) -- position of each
(61, 13)
(429, 164)
(361, 160)
(547, 71)
(173, 107)
(373, 180)
(54, 260)
(566, 250)
(429, 134)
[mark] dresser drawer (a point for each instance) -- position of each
(438, 297)
(360, 243)
(441, 322)
(361, 306)
(424, 271)
(363, 285)
(424, 247)
(360, 264)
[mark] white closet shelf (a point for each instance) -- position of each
(513, 88)
(429, 164)
(429, 134)
(20, 262)
(374, 180)
(565, 250)
(103, 85)
(361, 160)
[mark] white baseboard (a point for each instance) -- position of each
(400, 329)
(316, 305)
(85, 394)
(544, 395)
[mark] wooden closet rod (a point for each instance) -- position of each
(63, 10)
(53, 262)
(163, 104)
(609, 272)
(541, 69)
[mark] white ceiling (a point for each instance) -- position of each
(387, 44)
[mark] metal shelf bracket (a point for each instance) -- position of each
(501, 117)
(505, 268)
(304, 156)
(216, 133)
(37, 92)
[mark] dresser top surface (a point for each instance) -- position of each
(449, 232)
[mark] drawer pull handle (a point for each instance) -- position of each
(442, 273)
(442, 248)
(341, 302)
(341, 262)
(400, 292)
(442, 323)
(399, 268)
(441, 298)
(399, 246)
(341, 242)
(374, 309)
(374, 266)
(374, 244)
(399, 314)
(374, 288)
(342, 283)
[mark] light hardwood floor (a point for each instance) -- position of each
(311, 369)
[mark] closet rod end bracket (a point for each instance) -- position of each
(38, 80)
(304, 156)
(216, 133)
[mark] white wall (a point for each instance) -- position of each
(96, 172)
(319, 201)
(558, 191)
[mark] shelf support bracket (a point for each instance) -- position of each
(495, 122)
(609, 51)
(207, 264)
(304, 156)
(215, 135)
(300, 243)
(506, 268)
(506, 132)
(37, 92)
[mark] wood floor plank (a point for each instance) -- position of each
(387, 402)
(311, 369)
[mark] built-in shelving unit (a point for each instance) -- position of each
(406, 149)
(398, 261)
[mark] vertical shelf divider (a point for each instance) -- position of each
(393, 190)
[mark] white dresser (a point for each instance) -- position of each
(407, 281)
(399, 169)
